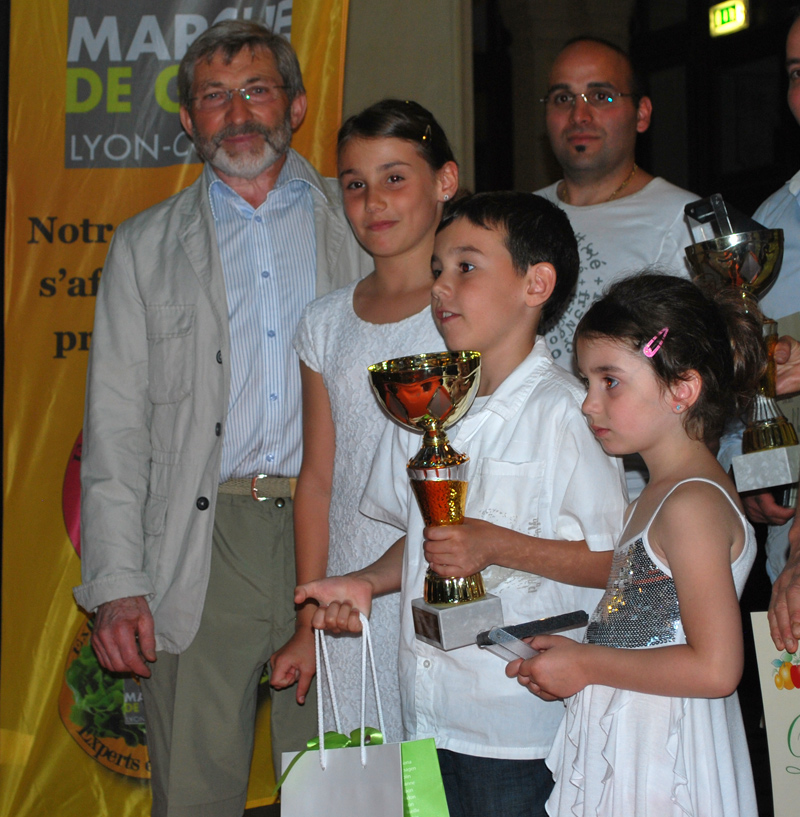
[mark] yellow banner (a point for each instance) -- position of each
(93, 139)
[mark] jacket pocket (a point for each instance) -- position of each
(170, 340)
(155, 513)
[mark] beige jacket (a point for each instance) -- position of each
(156, 401)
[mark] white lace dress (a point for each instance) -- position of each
(627, 753)
(332, 340)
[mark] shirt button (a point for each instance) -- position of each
(265, 274)
(202, 503)
(426, 663)
(273, 397)
(258, 219)
(270, 458)
(270, 333)
(218, 429)
(219, 355)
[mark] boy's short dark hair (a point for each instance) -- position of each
(536, 231)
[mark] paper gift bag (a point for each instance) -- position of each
(345, 788)
(423, 790)
(365, 777)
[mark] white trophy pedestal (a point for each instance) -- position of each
(767, 469)
(448, 627)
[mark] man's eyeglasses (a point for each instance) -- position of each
(252, 95)
(597, 98)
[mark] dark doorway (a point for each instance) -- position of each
(721, 124)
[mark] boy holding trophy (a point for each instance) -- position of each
(544, 506)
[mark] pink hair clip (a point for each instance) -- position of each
(655, 343)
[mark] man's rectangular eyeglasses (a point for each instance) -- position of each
(252, 95)
(597, 98)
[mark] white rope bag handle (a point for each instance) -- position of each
(366, 646)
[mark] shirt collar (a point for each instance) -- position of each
(513, 392)
(794, 184)
(294, 170)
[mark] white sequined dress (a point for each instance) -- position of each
(627, 753)
(332, 340)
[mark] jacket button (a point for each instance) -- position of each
(219, 355)
(202, 503)
(218, 429)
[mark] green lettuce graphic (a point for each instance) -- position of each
(99, 698)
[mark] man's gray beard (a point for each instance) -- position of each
(253, 163)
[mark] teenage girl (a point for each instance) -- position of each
(653, 726)
(397, 170)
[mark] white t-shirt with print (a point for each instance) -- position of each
(615, 239)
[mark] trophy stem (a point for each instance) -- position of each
(767, 426)
(442, 495)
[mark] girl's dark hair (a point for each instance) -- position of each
(400, 119)
(715, 334)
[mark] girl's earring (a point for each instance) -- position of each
(678, 407)
(446, 197)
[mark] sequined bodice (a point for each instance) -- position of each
(640, 605)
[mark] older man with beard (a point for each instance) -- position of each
(193, 396)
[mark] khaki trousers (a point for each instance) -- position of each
(200, 706)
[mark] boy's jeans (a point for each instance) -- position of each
(481, 786)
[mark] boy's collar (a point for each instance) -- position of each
(507, 399)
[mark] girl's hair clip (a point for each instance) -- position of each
(655, 343)
(427, 134)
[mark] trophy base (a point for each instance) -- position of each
(456, 625)
(446, 591)
(766, 469)
(763, 435)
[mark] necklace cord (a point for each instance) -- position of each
(563, 194)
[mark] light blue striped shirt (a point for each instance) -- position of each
(269, 261)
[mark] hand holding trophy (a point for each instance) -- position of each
(429, 393)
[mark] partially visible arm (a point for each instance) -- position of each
(784, 606)
(341, 598)
(295, 660)
(696, 533)
(460, 550)
(761, 507)
(116, 451)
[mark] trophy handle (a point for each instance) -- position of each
(767, 426)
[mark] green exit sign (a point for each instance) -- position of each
(725, 18)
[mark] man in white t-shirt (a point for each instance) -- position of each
(623, 217)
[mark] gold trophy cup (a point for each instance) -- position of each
(428, 393)
(743, 254)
